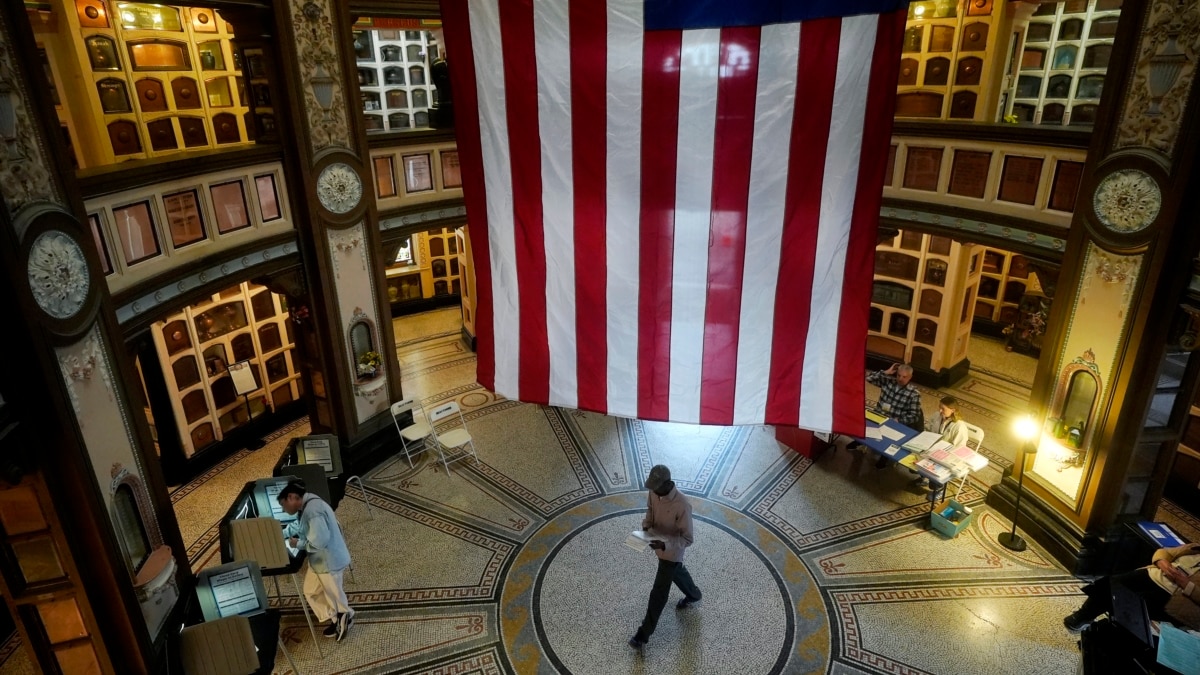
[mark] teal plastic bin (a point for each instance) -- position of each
(950, 518)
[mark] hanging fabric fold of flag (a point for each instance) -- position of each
(673, 204)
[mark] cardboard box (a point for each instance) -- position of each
(955, 520)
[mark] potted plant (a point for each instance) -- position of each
(368, 364)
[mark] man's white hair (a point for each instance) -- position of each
(904, 369)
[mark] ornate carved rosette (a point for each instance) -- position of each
(339, 188)
(58, 274)
(1127, 200)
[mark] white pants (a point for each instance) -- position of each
(325, 594)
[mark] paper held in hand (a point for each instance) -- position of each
(639, 540)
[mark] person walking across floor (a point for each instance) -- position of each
(947, 423)
(669, 522)
(317, 532)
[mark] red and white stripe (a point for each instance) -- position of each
(672, 225)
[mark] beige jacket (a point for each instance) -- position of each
(669, 519)
(1187, 558)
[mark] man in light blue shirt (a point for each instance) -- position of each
(317, 532)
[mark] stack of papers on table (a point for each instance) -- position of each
(973, 459)
(948, 459)
(922, 442)
(931, 469)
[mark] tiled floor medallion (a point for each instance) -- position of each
(575, 594)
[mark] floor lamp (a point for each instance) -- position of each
(1025, 430)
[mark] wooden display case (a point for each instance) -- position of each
(1064, 61)
(196, 346)
(1005, 280)
(150, 80)
(942, 65)
(393, 76)
(924, 286)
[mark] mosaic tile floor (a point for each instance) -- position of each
(514, 564)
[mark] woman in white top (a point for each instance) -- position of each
(947, 422)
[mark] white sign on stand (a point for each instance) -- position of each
(242, 374)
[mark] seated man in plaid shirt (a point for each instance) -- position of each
(898, 399)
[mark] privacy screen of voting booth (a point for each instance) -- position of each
(257, 499)
(233, 589)
(317, 460)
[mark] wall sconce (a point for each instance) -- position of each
(1165, 66)
(322, 86)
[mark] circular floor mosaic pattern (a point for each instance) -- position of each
(575, 594)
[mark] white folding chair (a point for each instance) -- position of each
(414, 437)
(974, 438)
(457, 438)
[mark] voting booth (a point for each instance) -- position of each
(252, 530)
(240, 631)
(317, 460)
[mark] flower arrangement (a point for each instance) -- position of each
(369, 362)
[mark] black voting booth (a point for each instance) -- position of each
(317, 460)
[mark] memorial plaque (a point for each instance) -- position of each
(969, 176)
(385, 178)
(898, 325)
(935, 272)
(1067, 176)
(891, 166)
(926, 332)
(418, 175)
(911, 240)
(896, 265)
(891, 294)
(135, 228)
(979, 7)
(183, 218)
(931, 302)
(939, 245)
(922, 167)
(1019, 182)
(942, 39)
(101, 247)
(967, 305)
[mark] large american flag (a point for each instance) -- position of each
(673, 205)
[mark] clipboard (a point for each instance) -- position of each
(242, 375)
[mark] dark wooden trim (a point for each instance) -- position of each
(191, 267)
(400, 139)
(410, 307)
(1016, 134)
(103, 180)
(405, 9)
(952, 212)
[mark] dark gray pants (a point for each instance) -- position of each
(668, 572)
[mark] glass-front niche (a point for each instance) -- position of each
(393, 76)
(145, 80)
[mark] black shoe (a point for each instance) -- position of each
(1076, 623)
(854, 446)
(883, 462)
(637, 642)
(921, 482)
(343, 625)
(331, 630)
(686, 602)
